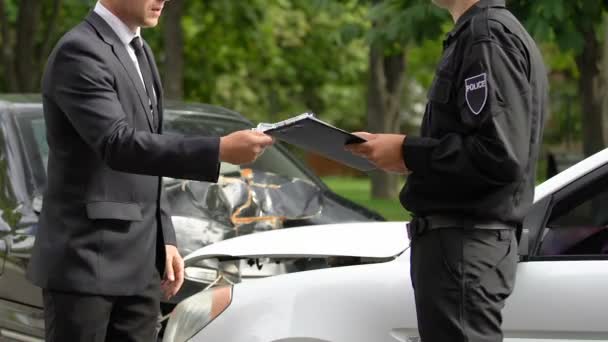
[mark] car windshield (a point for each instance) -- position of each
(273, 192)
(274, 160)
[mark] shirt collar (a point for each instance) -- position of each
(476, 8)
(120, 28)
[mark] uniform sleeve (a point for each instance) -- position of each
(492, 96)
(83, 88)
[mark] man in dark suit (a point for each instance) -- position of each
(105, 235)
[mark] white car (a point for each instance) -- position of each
(351, 283)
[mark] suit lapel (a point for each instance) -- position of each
(110, 37)
(157, 84)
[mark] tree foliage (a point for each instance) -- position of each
(562, 22)
(271, 59)
(28, 31)
(407, 22)
(575, 27)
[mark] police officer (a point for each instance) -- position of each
(471, 172)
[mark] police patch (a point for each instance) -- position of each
(476, 92)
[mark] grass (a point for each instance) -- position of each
(358, 191)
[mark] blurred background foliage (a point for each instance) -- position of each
(359, 64)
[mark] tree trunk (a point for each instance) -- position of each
(6, 56)
(385, 88)
(48, 35)
(174, 50)
(27, 27)
(590, 95)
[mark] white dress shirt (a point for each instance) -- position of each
(124, 33)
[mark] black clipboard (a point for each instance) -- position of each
(312, 134)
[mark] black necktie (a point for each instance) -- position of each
(146, 73)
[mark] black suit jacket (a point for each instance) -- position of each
(105, 220)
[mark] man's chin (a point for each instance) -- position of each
(150, 22)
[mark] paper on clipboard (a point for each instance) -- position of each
(312, 134)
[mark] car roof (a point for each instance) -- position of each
(20, 98)
(571, 174)
(171, 107)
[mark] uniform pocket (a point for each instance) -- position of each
(491, 261)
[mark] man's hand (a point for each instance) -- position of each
(243, 147)
(384, 150)
(174, 272)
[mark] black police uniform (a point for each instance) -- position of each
(473, 172)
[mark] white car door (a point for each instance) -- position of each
(561, 292)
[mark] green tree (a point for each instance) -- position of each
(28, 31)
(269, 59)
(574, 26)
(398, 25)
(173, 37)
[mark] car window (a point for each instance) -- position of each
(271, 193)
(32, 133)
(578, 223)
(274, 159)
(39, 134)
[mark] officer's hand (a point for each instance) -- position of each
(384, 150)
(243, 147)
(174, 272)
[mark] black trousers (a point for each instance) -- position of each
(77, 317)
(461, 278)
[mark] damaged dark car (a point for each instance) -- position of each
(276, 191)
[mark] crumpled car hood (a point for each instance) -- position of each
(248, 202)
(357, 239)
